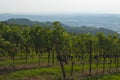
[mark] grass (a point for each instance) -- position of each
(113, 76)
(55, 74)
(18, 61)
(51, 72)
(32, 73)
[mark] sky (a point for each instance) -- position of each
(59, 6)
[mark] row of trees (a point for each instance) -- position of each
(68, 47)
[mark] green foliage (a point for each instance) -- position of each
(27, 43)
(76, 30)
(114, 76)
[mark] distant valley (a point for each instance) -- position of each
(76, 30)
(109, 21)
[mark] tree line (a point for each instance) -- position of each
(66, 47)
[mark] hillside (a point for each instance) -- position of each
(108, 21)
(40, 53)
(93, 30)
(82, 29)
(27, 22)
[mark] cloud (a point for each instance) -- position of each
(60, 6)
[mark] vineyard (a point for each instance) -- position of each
(51, 53)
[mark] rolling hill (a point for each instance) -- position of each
(82, 29)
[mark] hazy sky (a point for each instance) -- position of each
(59, 6)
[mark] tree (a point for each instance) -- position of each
(58, 42)
(116, 50)
(82, 49)
(47, 35)
(103, 42)
(27, 42)
(37, 40)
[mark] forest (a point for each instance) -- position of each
(68, 28)
(52, 53)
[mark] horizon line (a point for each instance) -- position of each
(60, 13)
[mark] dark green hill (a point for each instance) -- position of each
(93, 30)
(27, 22)
(83, 29)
